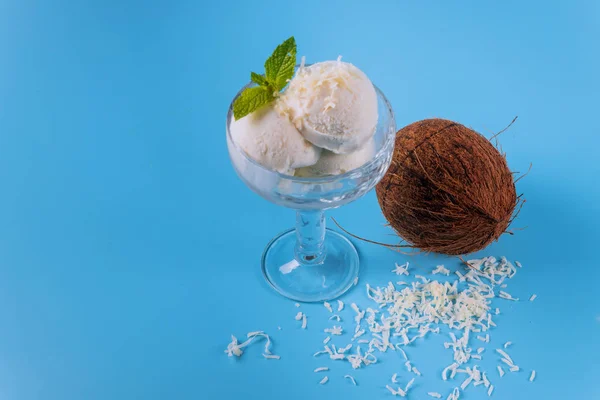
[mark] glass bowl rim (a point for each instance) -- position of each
(322, 179)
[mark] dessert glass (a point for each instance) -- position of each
(311, 263)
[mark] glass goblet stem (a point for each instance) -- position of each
(310, 237)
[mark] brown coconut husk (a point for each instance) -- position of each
(448, 189)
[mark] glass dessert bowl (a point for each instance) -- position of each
(311, 263)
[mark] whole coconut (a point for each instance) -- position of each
(448, 189)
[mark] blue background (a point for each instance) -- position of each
(129, 250)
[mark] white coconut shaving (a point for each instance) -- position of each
(500, 371)
(328, 307)
(409, 384)
(298, 316)
(533, 297)
(435, 394)
(324, 380)
(336, 330)
(451, 367)
(271, 356)
(401, 269)
(320, 369)
(441, 270)
(396, 392)
(342, 350)
(505, 354)
(303, 321)
(532, 376)
(455, 395)
(351, 379)
(235, 348)
(507, 296)
(340, 305)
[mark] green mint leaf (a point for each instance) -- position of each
(258, 79)
(280, 66)
(251, 100)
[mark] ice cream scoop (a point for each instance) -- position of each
(334, 164)
(333, 104)
(271, 139)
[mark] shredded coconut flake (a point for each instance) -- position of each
(500, 371)
(336, 330)
(321, 369)
(507, 344)
(401, 269)
(235, 348)
(505, 355)
(454, 395)
(328, 306)
(435, 394)
(532, 376)
(298, 316)
(324, 380)
(504, 295)
(351, 379)
(340, 305)
(271, 356)
(490, 390)
(326, 340)
(392, 391)
(441, 270)
(303, 321)
(533, 297)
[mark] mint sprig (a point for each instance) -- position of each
(279, 69)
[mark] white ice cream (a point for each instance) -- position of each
(333, 104)
(270, 139)
(334, 164)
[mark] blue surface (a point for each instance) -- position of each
(129, 250)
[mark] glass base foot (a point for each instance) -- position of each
(310, 283)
